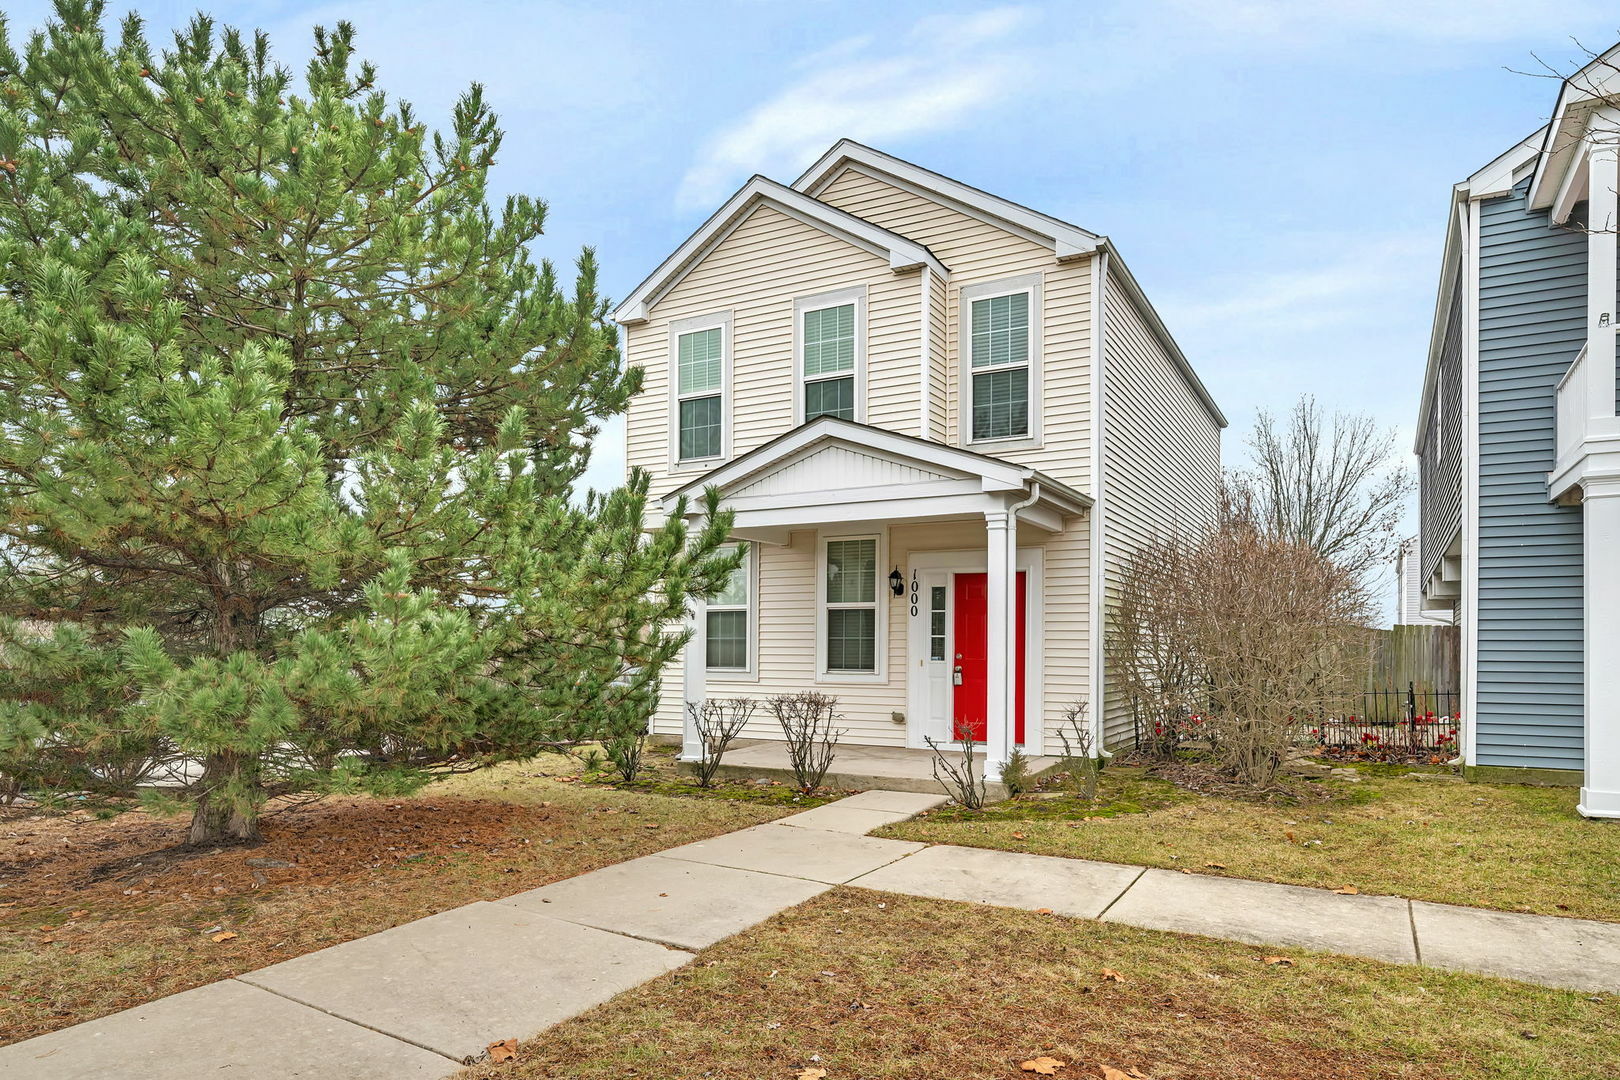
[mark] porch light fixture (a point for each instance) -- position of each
(897, 584)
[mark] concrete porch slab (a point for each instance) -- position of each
(457, 981)
(224, 1029)
(816, 854)
(1073, 887)
(1266, 914)
(855, 768)
(690, 905)
(837, 817)
(1576, 954)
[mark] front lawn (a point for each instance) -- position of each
(1506, 846)
(97, 916)
(858, 985)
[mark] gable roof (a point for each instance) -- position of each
(903, 254)
(993, 473)
(1067, 241)
(1592, 87)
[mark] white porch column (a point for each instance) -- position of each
(696, 668)
(1001, 638)
(1602, 263)
(1600, 506)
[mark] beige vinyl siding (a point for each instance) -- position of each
(939, 358)
(975, 251)
(1161, 457)
(756, 272)
(786, 605)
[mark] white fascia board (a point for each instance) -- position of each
(1598, 81)
(1067, 241)
(903, 254)
(1497, 176)
(1144, 307)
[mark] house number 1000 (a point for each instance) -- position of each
(914, 594)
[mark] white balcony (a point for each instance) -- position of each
(1587, 434)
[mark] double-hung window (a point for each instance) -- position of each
(850, 599)
(701, 370)
(730, 614)
(1001, 332)
(830, 335)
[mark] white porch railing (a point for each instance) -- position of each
(1572, 410)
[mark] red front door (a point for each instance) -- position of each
(971, 695)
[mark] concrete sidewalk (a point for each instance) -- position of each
(425, 997)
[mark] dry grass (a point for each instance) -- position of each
(867, 986)
(102, 915)
(1506, 846)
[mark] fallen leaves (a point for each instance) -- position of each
(223, 935)
(1019, 836)
(1347, 890)
(503, 1051)
(1284, 961)
(1045, 1066)
(1110, 975)
(1216, 865)
(1043, 911)
(808, 1073)
(1111, 1073)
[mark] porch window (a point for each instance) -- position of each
(851, 603)
(700, 389)
(729, 615)
(1000, 358)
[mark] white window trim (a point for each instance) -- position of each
(880, 617)
(838, 298)
(749, 672)
(1034, 286)
(720, 320)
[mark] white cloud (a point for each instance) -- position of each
(938, 73)
(1265, 22)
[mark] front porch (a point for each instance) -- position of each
(860, 768)
(921, 585)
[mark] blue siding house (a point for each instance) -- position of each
(1519, 450)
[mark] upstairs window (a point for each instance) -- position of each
(1001, 335)
(700, 377)
(1001, 367)
(729, 614)
(830, 344)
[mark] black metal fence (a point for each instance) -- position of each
(1390, 722)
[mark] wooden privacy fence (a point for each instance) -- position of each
(1426, 658)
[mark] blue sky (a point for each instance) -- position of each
(1275, 173)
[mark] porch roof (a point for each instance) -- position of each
(830, 470)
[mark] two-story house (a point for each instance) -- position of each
(1519, 449)
(942, 420)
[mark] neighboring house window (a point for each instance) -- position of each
(1002, 359)
(851, 602)
(830, 339)
(729, 616)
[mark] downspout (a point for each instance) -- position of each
(1099, 580)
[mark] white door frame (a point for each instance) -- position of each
(1031, 563)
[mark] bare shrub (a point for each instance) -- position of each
(957, 776)
(1147, 647)
(1276, 628)
(718, 722)
(807, 720)
(1079, 764)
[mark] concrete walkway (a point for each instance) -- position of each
(422, 998)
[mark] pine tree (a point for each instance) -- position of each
(289, 426)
